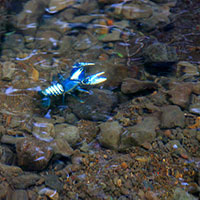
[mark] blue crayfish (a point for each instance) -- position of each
(70, 85)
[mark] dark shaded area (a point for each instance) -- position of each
(184, 30)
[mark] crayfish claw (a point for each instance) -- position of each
(94, 79)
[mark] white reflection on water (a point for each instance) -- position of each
(34, 52)
(51, 10)
(28, 11)
(11, 90)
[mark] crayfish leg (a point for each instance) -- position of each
(80, 100)
(46, 102)
(82, 90)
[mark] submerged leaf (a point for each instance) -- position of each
(35, 74)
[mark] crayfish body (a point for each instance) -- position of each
(70, 85)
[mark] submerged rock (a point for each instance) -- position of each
(67, 132)
(58, 5)
(131, 10)
(136, 11)
(130, 86)
(61, 147)
(33, 154)
(180, 194)
(43, 131)
(160, 53)
(27, 20)
(19, 194)
(25, 181)
(4, 190)
(6, 155)
(147, 13)
(144, 131)
(111, 37)
(53, 182)
(172, 117)
(186, 69)
(180, 93)
(175, 147)
(51, 194)
(47, 40)
(96, 106)
(10, 171)
(8, 70)
(83, 42)
(110, 134)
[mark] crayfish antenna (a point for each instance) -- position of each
(82, 64)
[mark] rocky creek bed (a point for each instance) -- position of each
(136, 136)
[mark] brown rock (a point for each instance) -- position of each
(19, 194)
(33, 154)
(180, 93)
(172, 117)
(8, 171)
(24, 181)
(4, 190)
(196, 88)
(47, 39)
(57, 5)
(131, 85)
(60, 146)
(110, 134)
(136, 11)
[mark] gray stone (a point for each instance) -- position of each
(61, 147)
(5, 190)
(66, 44)
(12, 41)
(58, 5)
(160, 52)
(140, 133)
(186, 69)
(19, 195)
(47, 40)
(110, 134)
(84, 147)
(53, 182)
(71, 118)
(111, 37)
(67, 132)
(25, 181)
(136, 11)
(8, 70)
(131, 10)
(83, 42)
(43, 131)
(8, 139)
(176, 147)
(180, 194)
(28, 21)
(96, 106)
(172, 117)
(6, 155)
(10, 171)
